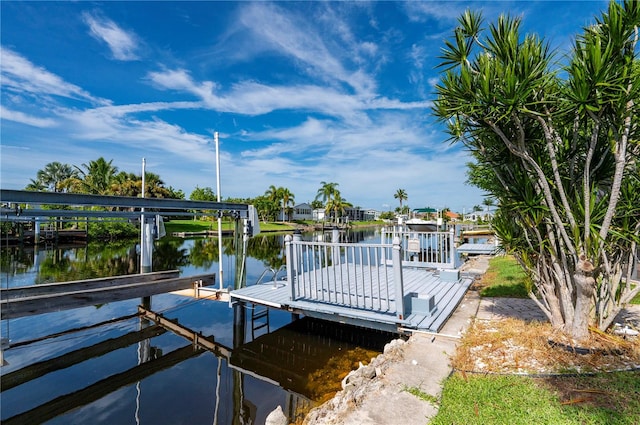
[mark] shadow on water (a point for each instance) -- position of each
(189, 361)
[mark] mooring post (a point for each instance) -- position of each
(146, 247)
(335, 234)
(335, 251)
(397, 277)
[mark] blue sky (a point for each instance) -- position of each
(300, 92)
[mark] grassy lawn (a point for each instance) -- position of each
(203, 225)
(194, 225)
(504, 278)
(606, 398)
(486, 397)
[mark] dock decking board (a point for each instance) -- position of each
(380, 314)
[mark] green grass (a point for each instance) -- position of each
(275, 227)
(202, 225)
(636, 299)
(504, 278)
(417, 392)
(194, 225)
(607, 398)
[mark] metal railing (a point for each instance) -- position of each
(346, 274)
(423, 249)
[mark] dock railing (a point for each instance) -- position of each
(347, 274)
(423, 249)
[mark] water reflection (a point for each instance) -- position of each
(107, 364)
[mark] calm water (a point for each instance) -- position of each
(104, 364)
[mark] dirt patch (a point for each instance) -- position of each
(516, 346)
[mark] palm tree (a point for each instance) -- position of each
(327, 191)
(97, 176)
(154, 186)
(287, 198)
(53, 176)
(337, 205)
(36, 186)
(401, 195)
(274, 194)
(125, 184)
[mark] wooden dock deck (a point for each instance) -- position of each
(368, 285)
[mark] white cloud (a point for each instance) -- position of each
(277, 29)
(123, 44)
(19, 75)
(253, 98)
(17, 116)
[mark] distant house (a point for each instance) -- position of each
(451, 216)
(318, 214)
(354, 214)
(479, 215)
(372, 214)
(302, 212)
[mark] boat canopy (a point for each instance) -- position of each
(424, 210)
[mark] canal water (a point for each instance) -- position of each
(105, 364)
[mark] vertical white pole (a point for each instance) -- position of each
(144, 263)
(215, 139)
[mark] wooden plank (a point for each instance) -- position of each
(86, 284)
(28, 306)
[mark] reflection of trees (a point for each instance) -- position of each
(204, 253)
(168, 254)
(93, 261)
(101, 260)
(268, 249)
(15, 260)
(113, 259)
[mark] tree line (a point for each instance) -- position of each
(102, 177)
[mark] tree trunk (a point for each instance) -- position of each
(585, 287)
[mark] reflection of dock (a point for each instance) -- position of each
(36, 370)
(96, 391)
(46, 236)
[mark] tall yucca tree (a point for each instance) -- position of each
(557, 147)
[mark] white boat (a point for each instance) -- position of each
(420, 225)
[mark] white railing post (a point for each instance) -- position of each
(397, 277)
(452, 247)
(289, 251)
